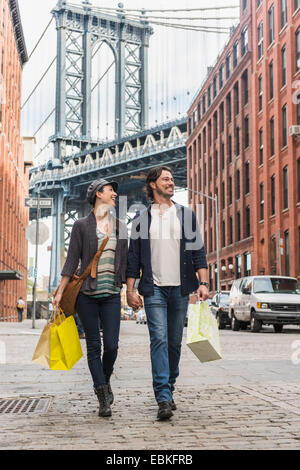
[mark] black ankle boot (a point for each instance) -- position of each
(110, 392)
(103, 397)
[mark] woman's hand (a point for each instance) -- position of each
(134, 300)
(56, 300)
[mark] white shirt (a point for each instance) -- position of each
(165, 235)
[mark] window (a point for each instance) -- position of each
(238, 226)
(272, 194)
(216, 162)
(238, 184)
(204, 140)
(285, 188)
(222, 156)
(271, 79)
(296, 4)
(247, 264)
(190, 125)
(223, 195)
(298, 109)
(235, 54)
(209, 95)
(245, 86)
(230, 190)
(236, 98)
(215, 85)
(271, 24)
(199, 111)
(261, 146)
(244, 41)
(298, 174)
(283, 4)
(195, 118)
(262, 202)
(258, 3)
(272, 137)
(247, 221)
(246, 131)
(244, 5)
(228, 65)
(284, 126)
(222, 117)
(260, 93)
(283, 65)
(273, 253)
(204, 104)
(287, 252)
(229, 149)
(237, 140)
(228, 102)
(223, 233)
(297, 34)
(209, 133)
(221, 76)
(216, 125)
(260, 39)
(247, 177)
(230, 231)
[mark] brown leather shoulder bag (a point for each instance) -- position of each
(71, 291)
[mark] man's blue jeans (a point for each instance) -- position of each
(166, 312)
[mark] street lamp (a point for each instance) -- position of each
(215, 199)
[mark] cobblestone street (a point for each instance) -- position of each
(248, 400)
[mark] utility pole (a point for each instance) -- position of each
(36, 261)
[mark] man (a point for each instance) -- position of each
(166, 247)
(20, 308)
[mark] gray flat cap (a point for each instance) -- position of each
(97, 185)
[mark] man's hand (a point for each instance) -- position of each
(202, 293)
(134, 300)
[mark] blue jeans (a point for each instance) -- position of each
(166, 312)
(91, 311)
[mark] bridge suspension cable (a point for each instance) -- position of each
(163, 10)
(41, 37)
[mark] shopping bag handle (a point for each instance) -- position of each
(58, 312)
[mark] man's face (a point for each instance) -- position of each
(107, 195)
(164, 185)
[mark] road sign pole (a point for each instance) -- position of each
(36, 261)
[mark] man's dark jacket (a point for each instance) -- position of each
(84, 245)
(139, 255)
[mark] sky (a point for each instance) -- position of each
(178, 62)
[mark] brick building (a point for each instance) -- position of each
(13, 169)
(243, 145)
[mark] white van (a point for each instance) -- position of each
(268, 300)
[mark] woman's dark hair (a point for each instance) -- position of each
(152, 177)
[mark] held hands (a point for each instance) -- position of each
(134, 300)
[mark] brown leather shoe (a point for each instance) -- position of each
(164, 411)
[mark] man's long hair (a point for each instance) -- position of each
(152, 177)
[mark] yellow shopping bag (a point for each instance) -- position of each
(203, 333)
(59, 346)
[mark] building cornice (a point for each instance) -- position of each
(18, 30)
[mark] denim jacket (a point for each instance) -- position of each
(192, 252)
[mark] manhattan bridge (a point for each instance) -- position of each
(86, 128)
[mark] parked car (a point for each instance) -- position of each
(220, 308)
(141, 316)
(264, 300)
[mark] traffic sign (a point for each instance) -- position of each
(45, 202)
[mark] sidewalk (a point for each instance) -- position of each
(228, 404)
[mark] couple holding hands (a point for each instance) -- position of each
(165, 252)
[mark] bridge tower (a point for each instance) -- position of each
(80, 28)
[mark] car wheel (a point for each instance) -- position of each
(255, 324)
(235, 324)
(221, 324)
(278, 328)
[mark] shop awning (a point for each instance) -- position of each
(10, 275)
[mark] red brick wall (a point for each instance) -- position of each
(13, 176)
(258, 243)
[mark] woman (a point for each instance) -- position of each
(99, 298)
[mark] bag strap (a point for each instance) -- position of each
(92, 267)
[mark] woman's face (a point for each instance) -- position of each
(107, 196)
